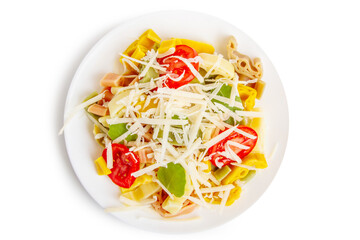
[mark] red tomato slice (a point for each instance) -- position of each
(176, 67)
(220, 160)
(125, 163)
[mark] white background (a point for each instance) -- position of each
(315, 47)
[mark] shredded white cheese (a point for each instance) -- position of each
(149, 168)
(109, 156)
(80, 107)
(151, 121)
(217, 189)
(142, 62)
(191, 67)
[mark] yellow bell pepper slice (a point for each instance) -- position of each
(101, 166)
(235, 174)
(247, 95)
(256, 160)
(143, 179)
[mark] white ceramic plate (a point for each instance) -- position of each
(103, 58)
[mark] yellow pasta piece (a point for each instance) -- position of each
(151, 104)
(235, 174)
(174, 205)
(248, 96)
(208, 163)
(101, 166)
(131, 48)
(200, 47)
(142, 192)
(139, 47)
(234, 195)
(114, 106)
(143, 179)
(148, 39)
(225, 68)
(214, 200)
(256, 160)
(97, 130)
(167, 44)
(139, 53)
(102, 120)
(259, 87)
(256, 123)
(244, 65)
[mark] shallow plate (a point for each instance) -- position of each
(103, 58)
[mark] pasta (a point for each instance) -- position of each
(244, 65)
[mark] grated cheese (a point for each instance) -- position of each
(147, 67)
(179, 93)
(225, 100)
(194, 129)
(217, 189)
(151, 121)
(167, 53)
(228, 111)
(216, 65)
(149, 168)
(236, 144)
(80, 107)
(109, 156)
(224, 200)
(250, 114)
(191, 67)
(234, 90)
(131, 64)
(189, 150)
(220, 137)
(142, 62)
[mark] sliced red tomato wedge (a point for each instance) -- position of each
(177, 68)
(125, 163)
(219, 160)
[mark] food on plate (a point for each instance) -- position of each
(180, 126)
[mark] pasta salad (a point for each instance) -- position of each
(179, 126)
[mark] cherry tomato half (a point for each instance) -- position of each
(176, 67)
(220, 160)
(125, 163)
